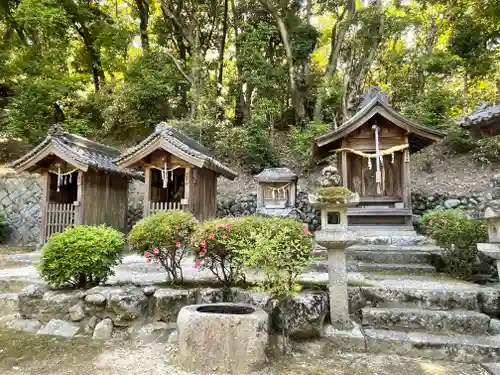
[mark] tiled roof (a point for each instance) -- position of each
(276, 175)
(481, 114)
(182, 142)
(77, 148)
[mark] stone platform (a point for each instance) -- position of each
(429, 316)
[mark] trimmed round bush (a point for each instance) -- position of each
(457, 235)
(163, 237)
(82, 256)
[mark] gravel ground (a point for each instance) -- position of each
(25, 354)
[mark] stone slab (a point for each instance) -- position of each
(460, 348)
(345, 339)
(493, 368)
(58, 327)
(459, 321)
(409, 268)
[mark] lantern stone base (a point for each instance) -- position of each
(492, 250)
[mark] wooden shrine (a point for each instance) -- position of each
(373, 157)
(180, 174)
(80, 182)
(483, 122)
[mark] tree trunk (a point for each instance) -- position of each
(222, 48)
(339, 31)
(366, 62)
(294, 92)
(143, 8)
(241, 110)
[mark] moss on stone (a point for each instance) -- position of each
(334, 194)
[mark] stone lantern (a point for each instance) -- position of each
(333, 201)
(492, 217)
(276, 191)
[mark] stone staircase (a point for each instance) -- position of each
(405, 254)
(447, 326)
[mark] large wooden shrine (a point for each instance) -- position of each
(180, 174)
(80, 182)
(373, 152)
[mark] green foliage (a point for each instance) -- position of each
(249, 146)
(301, 140)
(81, 256)
(334, 194)
(164, 237)
(457, 235)
(219, 246)
(281, 249)
(3, 227)
(487, 150)
(460, 141)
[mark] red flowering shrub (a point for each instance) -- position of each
(163, 237)
(218, 246)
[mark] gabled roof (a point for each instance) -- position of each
(76, 150)
(481, 115)
(276, 175)
(378, 106)
(172, 140)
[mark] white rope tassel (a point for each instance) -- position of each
(370, 164)
(392, 161)
(58, 179)
(381, 161)
(164, 175)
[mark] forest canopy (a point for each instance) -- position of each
(234, 73)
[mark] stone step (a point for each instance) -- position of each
(390, 237)
(408, 268)
(406, 319)
(459, 348)
(400, 257)
(423, 248)
(429, 299)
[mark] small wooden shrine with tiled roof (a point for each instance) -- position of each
(180, 174)
(483, 122)
(81, 184)
(373, 152)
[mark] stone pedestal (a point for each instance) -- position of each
(335, 236)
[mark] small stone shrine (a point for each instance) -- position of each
(276, 191)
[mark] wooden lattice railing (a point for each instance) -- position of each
(164, 206)
(59, 216)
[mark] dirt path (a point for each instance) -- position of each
(27, 354)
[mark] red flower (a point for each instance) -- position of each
(178, 244)
(430, 222)
(211, 236)
(203, 243)
(197, 264)
(203, 252)
(156, 250)
(228, 227)
(147, 254)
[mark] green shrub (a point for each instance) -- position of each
(3, 228)
(487, 150)
(281, 249)
(164, 237)
(458, 236)
(301, 140)
(82, 256)
(218, 246)
(460, 141)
